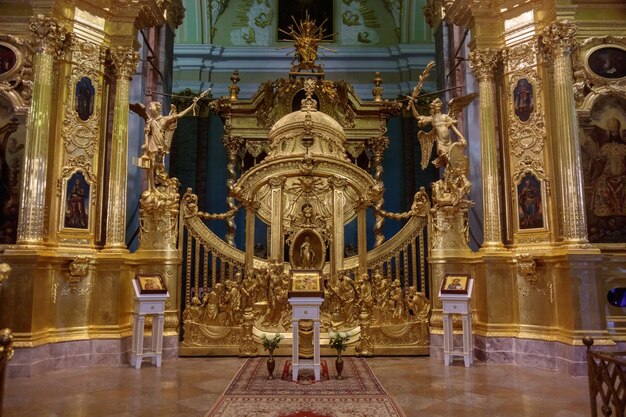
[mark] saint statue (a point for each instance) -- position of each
(307, 255)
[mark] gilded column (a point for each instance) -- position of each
(362, 237)
(124, 60)
(49, 40)
(232, 145)
(338, 186)
(251, 209)
(379, 145)
(276, 220)
(558, 41)
(483, 63)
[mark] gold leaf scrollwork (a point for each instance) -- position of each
(78, 269)
(527, 269)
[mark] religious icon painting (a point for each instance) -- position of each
(84, 98)
(523, 99)
(77, 191)
(151, 284)
(8, 59)
(530, 201)
(608, 62)
(455, 284)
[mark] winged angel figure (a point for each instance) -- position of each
(440, 133)
(158, 133)
(454, 185)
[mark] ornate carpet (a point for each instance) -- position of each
(358, 394)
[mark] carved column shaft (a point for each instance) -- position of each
(362, 239)
(379, 145)
(124, 63)
(276, 220)
(336, 261)
(558, 40)
(483, 63)
(232, 145)
(250, 217)
(50, 39)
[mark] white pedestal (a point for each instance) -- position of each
(305, 308)
(154, 305)
(457, 304)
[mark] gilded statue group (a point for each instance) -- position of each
(264, 292)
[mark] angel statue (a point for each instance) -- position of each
(158, 133)
(441, 123)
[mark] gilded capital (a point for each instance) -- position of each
(50, 37)
(378, 144)
(559, 37)
(124, 61)
(232, 144)
(484, 62)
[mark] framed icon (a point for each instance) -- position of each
(306, 283)
(151, 284)
(455, 284)
(608, 61)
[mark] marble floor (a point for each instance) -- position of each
(188, 387)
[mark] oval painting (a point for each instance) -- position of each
(84, 98)
(523, 99)
(7, 59)
(608, 62)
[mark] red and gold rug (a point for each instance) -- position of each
(358, 394)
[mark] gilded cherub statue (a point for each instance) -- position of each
(158, 133)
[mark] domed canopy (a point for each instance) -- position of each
(307, 131)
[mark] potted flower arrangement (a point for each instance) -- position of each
(270, 345)
(339, 342)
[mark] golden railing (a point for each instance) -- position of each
(208, 259)
(607, 381)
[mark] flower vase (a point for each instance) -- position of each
(339, 365)
(271, 363)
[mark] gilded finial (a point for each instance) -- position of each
(234, 88)
(377, 91)
(309, 103)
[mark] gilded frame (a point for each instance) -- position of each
(594, 51)
(151, 284)
(88, 206)
(19, 61)
(518, 179)
(455, 284)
